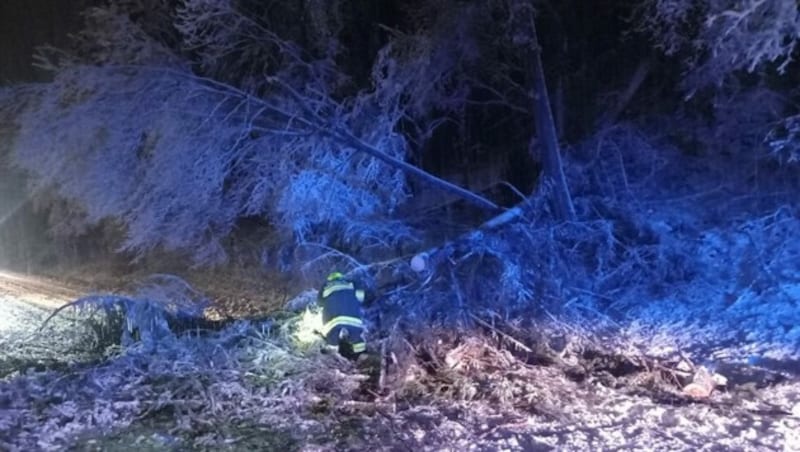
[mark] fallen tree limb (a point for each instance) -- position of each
(473, 198)
(505, 336)
(308, 121)
(436, 254)
(424, 261)
(347, 138)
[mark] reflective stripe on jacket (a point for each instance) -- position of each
(339, 321)
(336, 286)
(359, 347)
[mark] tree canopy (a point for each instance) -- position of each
(176, 120)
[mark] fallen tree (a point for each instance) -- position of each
(192, 148)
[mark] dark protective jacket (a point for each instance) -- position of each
(341, 316)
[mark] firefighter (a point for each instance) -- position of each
(343, 326)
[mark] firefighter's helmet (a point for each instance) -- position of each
(335, 276)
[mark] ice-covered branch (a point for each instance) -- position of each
(718, 37)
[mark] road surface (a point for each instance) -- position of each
(37, 291)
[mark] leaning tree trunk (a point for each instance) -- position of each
(553, 174)
(346, 137)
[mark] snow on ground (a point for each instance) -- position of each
(743, 306)
(16, 317)
(248, 387)
(24, 346)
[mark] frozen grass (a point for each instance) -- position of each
(242, 375)
(250, 386)
(746, 305)
(22, 348)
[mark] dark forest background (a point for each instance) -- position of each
(443, 85)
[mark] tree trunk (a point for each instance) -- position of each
(560, 109)
(554, 177)
(473, 198)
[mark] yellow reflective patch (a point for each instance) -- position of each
(328, 290)
(341, 320)
(359, 347)
(360, 295)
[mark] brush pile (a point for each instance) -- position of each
(251, 386)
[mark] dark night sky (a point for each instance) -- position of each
(25, 24)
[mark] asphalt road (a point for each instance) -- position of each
(35, 291)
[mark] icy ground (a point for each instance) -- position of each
(248, 387)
